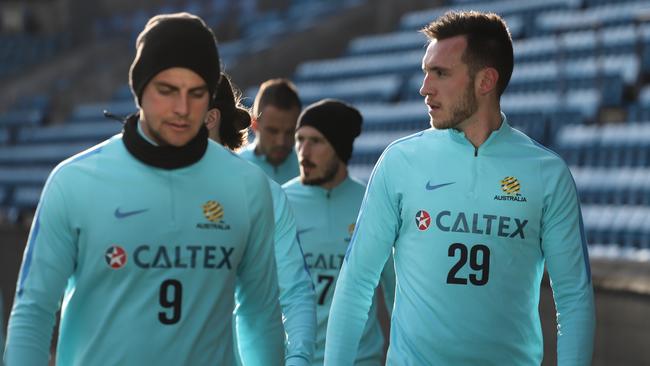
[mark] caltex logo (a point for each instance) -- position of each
(422, 220)
(115, 257)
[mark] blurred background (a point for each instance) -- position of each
(581, 86)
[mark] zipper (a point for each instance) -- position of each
(474, 175)
(172, 201)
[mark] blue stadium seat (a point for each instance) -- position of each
(26, 197)
(70, 132)
(604, 15)
(403, 116)
(4, 136)
(587, 101)
(530, 102)
(640, 111)
(44, 154)
(636, 232)
(385, 43)
(532, 124)
(382, 88)
(543, 48)
(11, 175)
(404, 63)
(506, 8)
(93, 112)
(535, 77)
(619, 40)
(577, 144)
(613, 140)
(369, 146)
(123, 93)
(31, 117)
(578, 44)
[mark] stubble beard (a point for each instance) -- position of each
(460, 112)
(329, 174)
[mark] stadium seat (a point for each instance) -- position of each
(402, 116)
(602, 15)
(403, 63)
(382, 88)
(26, 197)
(4, 136)
(94, 112)
(70, 132)
(10, 176)
(43, 154)
(418, 19)
(385, 43)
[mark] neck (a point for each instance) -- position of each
(257, 150)
(214, 136)
(163, 157)
(478, 127)
(339, 177)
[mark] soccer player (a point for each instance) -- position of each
(326, 202)
(472, 210)
(275, 112)
(227, 122)
(152, 235)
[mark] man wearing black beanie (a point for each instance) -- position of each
(326, 202)
(154, 235)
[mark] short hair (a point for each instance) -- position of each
(280, 93)
(489, 43)
(235, 118)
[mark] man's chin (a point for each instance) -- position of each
(311, 181)
(276, 159)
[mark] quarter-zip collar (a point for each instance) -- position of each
(459, 136)
(329, 193)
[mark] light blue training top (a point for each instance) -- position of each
(149, 263)
(282, 173)
(471, 230)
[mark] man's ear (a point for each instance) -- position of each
(486, 80)
(212, 119)
(254, 125)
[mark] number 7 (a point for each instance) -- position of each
(330, 280)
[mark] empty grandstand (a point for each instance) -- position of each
(581, 86)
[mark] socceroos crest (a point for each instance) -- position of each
(511, 187)
(350, 232)
(214, 213)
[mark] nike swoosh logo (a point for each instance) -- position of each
(431, 188)
(122, 214)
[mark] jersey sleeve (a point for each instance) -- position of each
(387, 281)
(567, 262)
(258, 319)
(297, 297)
(48, 261)
(371, 245)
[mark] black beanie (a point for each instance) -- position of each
(174, 40)
(339, 122)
